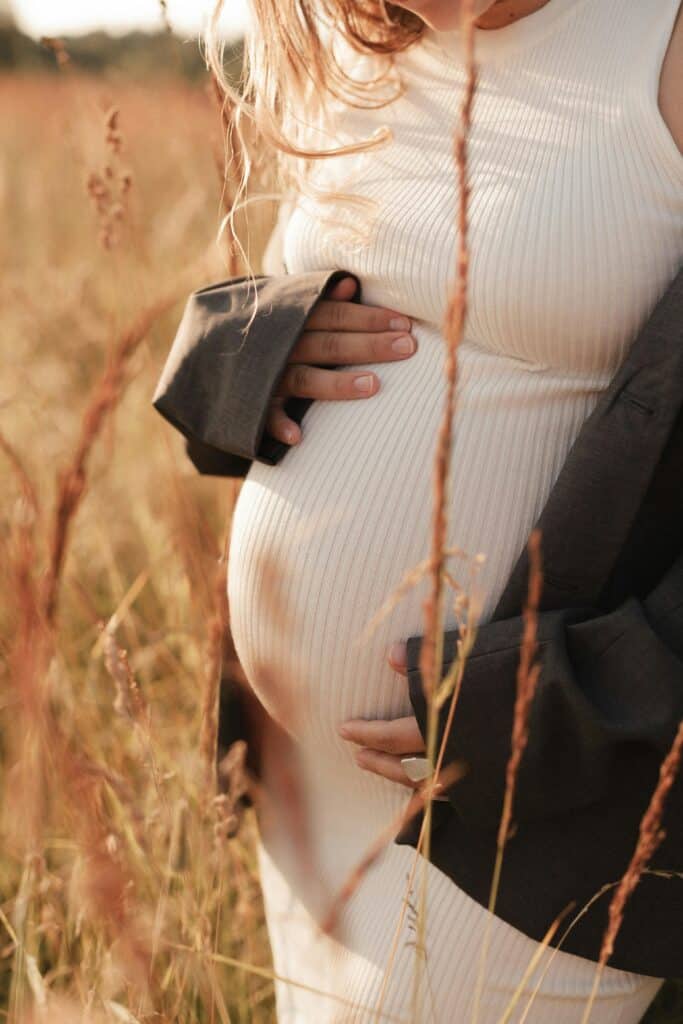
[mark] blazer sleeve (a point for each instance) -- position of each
(228, 355)
(610, 687)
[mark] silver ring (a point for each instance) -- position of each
(417, 768)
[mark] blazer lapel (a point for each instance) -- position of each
(601, 485)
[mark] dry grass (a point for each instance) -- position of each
(122, 872)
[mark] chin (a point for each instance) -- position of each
(443, 14)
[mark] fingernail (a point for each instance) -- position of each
(403, 345)
(397, 651)
(343, 731)
(399, 323)
(360, 759)
(363, 383)
(290, 435)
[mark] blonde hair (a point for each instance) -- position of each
(294, 81)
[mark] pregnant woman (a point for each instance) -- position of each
(576, 226)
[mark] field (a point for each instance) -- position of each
(128, 884)
(92, 256)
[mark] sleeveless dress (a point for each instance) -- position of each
(576, 228)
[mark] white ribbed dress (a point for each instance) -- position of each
(576, 227)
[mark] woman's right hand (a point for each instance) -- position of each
(338, 331)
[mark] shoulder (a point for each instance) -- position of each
(670, 97)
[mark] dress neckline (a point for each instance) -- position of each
(504, 41)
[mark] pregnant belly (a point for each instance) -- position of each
(320, 540)
(317, 544)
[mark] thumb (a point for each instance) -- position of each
(344, 289)
(398, 657)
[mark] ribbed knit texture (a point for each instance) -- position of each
(576, 228)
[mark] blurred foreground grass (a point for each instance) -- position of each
(115, 854)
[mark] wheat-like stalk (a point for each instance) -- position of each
(650, 836)
(415, 804)
(208, 735)
(527, 678)
(72, 479)
(431, 649)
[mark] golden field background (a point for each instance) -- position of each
(114, 853)
(128, 889)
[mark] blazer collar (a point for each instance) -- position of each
(596, 497)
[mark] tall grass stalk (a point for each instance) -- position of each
(72, 480)
(527, 678)
(431, 650)
(650, 836)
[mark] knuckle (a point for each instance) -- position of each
(331, 346)
(337, 314)
(390, 745)
(301, 379)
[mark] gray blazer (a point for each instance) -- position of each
(610, 692)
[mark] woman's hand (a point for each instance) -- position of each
(338, 331)
(383, 743)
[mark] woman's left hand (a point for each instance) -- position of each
(384, 742)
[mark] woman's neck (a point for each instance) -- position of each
(504, 12)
